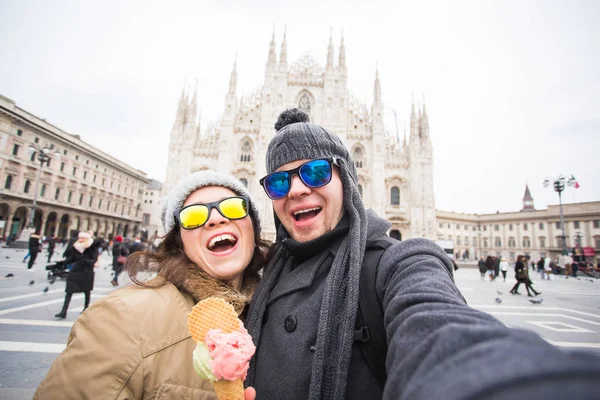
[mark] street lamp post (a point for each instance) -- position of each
(43, 156)
(559, 185)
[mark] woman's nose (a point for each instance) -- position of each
(215, 219)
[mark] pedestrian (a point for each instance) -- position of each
(51, 246)
(503, 267)
(522, 276)
(496, 267)
(308, 316)
(134, 343)
(489, 266)
(482, 268)
(82, 256)
(547, 268)
(540, 267)
(119, 255)
(35, 246)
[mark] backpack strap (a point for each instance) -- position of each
(369, 331)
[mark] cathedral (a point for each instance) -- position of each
(395, 177)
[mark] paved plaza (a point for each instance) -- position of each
(31, 338)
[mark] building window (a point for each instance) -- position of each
(511, 242)
(458, 240)
(43, 191)
(526, 242)
(597, 240)
(485, 228)
(81, 199)
(15, 150)
(146, 219)
(448, 225)
(115, 209)
(246, 151)
(84, 174)
(91, 201)
(466, 228)
(510, 227)
(74, 171)
(244, 182)
(62, 167)
(512, 256)
(525, 226)
(541, 225)
(576, 224)
(357, 156)
(473, 228)
(395, 196)
(466, 240)
(107, 205)
(559, 242)
(56, 194)
(27, 186)
(19, 132)
(103, 181)
(596, 223)
(542, 242)
(498, 242)
(37, 140)
(360, 190)
(32, 158)
(94, 180)
(496, 227)
(8, 182)
(69, 197)
(441, 225)
(77, 157)
(485, 242)
(557, 225)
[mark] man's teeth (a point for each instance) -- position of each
(220, 238)
(296, 213)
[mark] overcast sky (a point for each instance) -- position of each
(512, 88)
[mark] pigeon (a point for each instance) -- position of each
(52, 280)
(536, 301)
(7, 257)
(9, 275)
(498, 300)
(31, 283)
(45, 289)
(499, 292)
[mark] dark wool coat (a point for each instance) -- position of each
(118, 249)
(81, 275)
(438, 347)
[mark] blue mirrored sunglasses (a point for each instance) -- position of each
(314, 174)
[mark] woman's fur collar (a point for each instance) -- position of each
(81, 247)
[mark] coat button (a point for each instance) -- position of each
(290, 323)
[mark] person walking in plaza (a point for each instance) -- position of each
(34, 246)
(503, 267)
(482, 268)
(335, 275)
(134, 343)
(51, 246)
(82, 256)
(522, 276)
(489, 266)
(119, 258)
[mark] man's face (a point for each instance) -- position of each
(307, 213)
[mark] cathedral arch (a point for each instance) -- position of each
(395, 196)
(245, 150)
(305, 101)
(358, 156)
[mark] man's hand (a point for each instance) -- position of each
(249, 394)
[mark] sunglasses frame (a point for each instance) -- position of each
(211, 205)
(296, 171)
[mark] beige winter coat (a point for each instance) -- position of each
(132, 344)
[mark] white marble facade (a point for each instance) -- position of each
(396, 178)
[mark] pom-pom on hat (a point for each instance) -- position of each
(118, 238)
(298, 139)
(197, 180)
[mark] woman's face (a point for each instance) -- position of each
(223, 248)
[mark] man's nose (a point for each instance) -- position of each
(298, 188)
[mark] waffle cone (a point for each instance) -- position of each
(229, 390)
(212, 313)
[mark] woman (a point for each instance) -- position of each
(503, 267)
(134, 343)
(82, 256)
(119, 253)
(522, 276)
(489, 265)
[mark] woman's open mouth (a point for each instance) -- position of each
(222, 243)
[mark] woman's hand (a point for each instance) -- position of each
(249, 394)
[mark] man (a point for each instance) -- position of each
(51, 246)
(34, 248)
(304, 311)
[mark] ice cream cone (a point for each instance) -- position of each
(212, 313)
(229, 390)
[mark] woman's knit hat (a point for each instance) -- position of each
(197, 180)
(298, 139)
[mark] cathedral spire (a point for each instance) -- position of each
(404, 141)
(233, 77)
(329, 65)
(181, 109)
(527, 200)
(283, 56)
(377, 87)
(425, 120)
(272, 62)
(192, 107)
(342, 60)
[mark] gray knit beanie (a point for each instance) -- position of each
(297, 139)
(197, 180)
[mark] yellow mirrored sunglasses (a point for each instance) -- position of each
(195, 215)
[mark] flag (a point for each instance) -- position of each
(576, 184)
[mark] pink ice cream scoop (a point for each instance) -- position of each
(230, 353)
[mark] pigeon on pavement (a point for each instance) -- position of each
(45, 289)
(499, 292)
(7, 256)
(9, 275)
(31, 283)
(498, 300)
(536, 301)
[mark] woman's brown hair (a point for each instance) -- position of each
(171, 262)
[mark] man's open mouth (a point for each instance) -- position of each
(302, 215)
